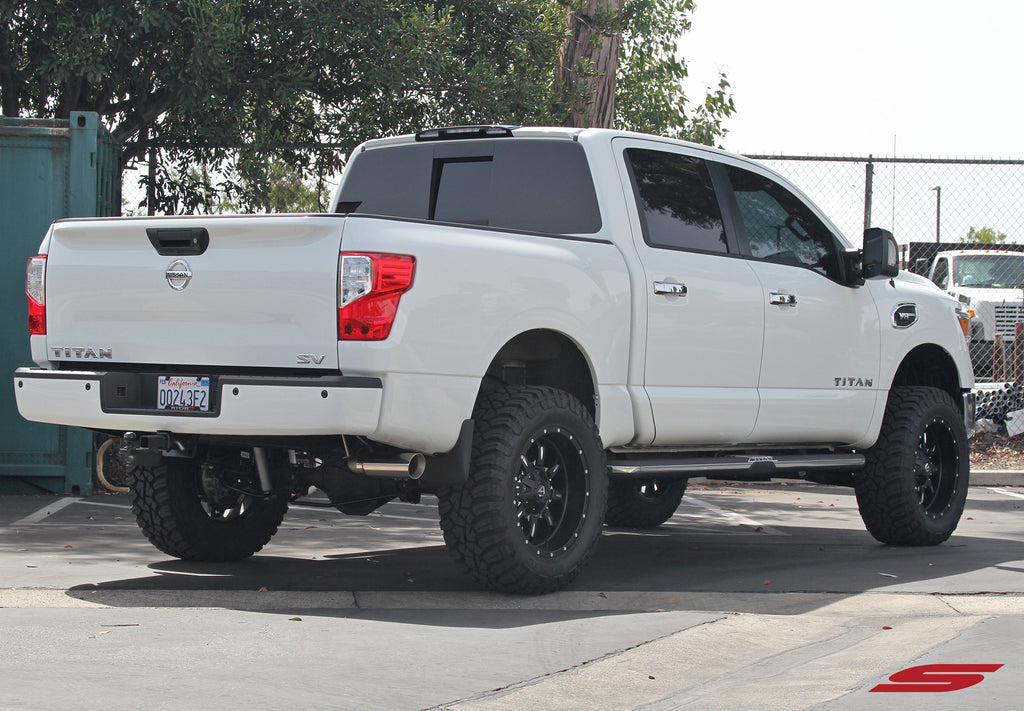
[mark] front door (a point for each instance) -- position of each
(820, 367)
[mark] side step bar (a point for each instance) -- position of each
(742, 465)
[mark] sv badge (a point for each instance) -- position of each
(309, 358)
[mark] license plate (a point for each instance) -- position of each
(183, 393)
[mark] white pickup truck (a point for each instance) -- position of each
(989, 284)
(549, 329)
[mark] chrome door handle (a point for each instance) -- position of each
(667, 287)
(776, 299)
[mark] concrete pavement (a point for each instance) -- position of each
(750, 597)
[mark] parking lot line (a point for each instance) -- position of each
(733, 517)
(737, 518)
(1014, 494)
(420, 519)
(50, 508)
(123, 507)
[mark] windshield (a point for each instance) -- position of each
(992, 271)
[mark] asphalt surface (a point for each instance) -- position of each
(752, 596)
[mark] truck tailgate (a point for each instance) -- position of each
(263, 293)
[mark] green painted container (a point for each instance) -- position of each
(49, 169)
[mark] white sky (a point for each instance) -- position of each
(826, 77)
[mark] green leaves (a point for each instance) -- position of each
(986, 235)
(217, 86)
(651, 96)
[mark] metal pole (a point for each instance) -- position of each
(869, 177)
(938, 211)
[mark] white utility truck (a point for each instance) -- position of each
(549, 329)
(989, 283)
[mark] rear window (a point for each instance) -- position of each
(524, 186)
(678, 207)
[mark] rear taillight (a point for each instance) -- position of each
(369, 288)
(35, 288)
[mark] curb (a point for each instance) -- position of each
(826, 604)
(997, 477)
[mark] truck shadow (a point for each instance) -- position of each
(787, 571)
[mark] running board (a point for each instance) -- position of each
(788, 465)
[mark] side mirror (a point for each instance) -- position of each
(881, 257)
(853, 267)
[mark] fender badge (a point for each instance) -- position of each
(904, 316)
(178, 275)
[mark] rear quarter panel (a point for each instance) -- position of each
(475, 290)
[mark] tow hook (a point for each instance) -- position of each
(147, 449)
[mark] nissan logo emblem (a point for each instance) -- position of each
(179, 274)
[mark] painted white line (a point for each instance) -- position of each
(421, 519)
(76, 525)
(429, 513)
(46, 511)
(737, 518)
(320, 511)
(123, 507)
(1014, 494)
(415, 506)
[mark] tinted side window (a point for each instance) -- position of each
(389, 182)
(521, 185)
(543, 186)
(780, 227)
(677, 201)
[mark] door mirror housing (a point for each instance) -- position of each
(881, 256)
(853, 267)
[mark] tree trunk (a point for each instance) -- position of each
(587, 65)
(9, 85)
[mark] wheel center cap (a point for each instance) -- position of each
(536, 491)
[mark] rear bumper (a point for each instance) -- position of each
(242, 404)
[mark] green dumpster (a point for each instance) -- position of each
(49, 169)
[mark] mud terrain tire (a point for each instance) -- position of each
(914, 484)
(529, 516)
(177, 517)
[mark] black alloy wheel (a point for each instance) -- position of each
(551, 488)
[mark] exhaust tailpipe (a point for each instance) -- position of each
(407, 466)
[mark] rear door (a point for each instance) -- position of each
(705, 314)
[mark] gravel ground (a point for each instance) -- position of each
(997, 451)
